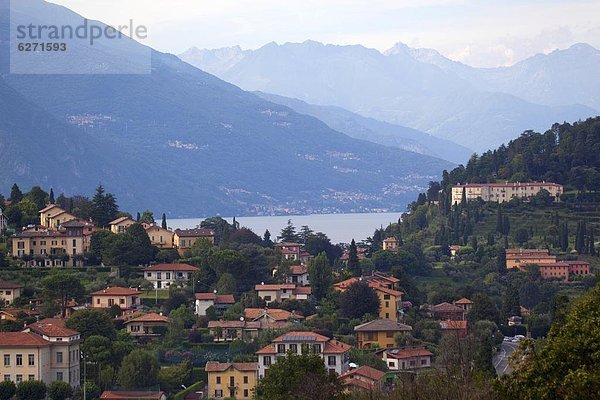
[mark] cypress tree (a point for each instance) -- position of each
(506, 224)
(164, 221)
(591, 241)
(499, 220)
(138, 216)
(52, 200)
(501, 261)
(353, 261)
(463, 199)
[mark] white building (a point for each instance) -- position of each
(220, 302)
(334, 353)
(164, 275)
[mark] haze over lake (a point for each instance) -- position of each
(340, 228)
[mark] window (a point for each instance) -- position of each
(20, 245)
(331, 360)
(149, 274)
(59, 357)
(231, 381)
(218, 380)
(386, 297)
(97, 301)
(31, 359)
(317, 348)
(245, 392)
(59, 376)
(387, 304)
(245, 379)
(158, 275)
(19, 359)
(42, 242)
(168, 275)
(423, 361)
(218, 393)
(31, 377)
(6, 377)
(8, 292)
(267, 360)
(19, 378)
(294, 348)
(182, 242)
(281, 348)
(267, 298)
(74, 242)
(389, 334)
(121, 301)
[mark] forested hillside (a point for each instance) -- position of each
(566, 154)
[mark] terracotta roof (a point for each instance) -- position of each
(131, 395)
(40, 232)
(345, 284)
(15, 311)
(119, 220)
(116, 291)
(48, 208)
(335, 346)
(509, 184)
(198, 232)
(357, 383)
(449, 324)
(52, 327)
(382, 325)
(554, 264)
(300, 336)
(529, 256)
(306, 290)
(22, 339)
(386, 277)
(268, 349)
(234, 324)
(151, 317)
(366, 371)
(298, 270)
(378, 287)
(171, 267)
(274, 313)
(515, 251)
(446, 307)
(408, 352)
(217, 298)
(464, 300)
(274, 287)
(73, 224)
(213, 366)
(10, 285)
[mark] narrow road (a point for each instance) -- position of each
(501, 358)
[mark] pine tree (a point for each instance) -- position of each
(104, 207)
(353, 261)
(164, 221)
(267, 242)
(52, 200)
(15, 194)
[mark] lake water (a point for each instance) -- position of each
(340, 228)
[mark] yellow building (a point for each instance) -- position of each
(390, 301)
(184, 239)
(160, 237)
(45, 351)
(501, 192)
(231, 380)
(121, 224)
(390, 244)
(53, 215)
(50, 247)
(9, 292)
(379, 333)
(123, 297)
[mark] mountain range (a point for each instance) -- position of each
(180, 140)
(420, 88)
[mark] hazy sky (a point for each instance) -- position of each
(480, 33)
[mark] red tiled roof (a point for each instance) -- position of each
(366, 371)
(509, 184)
(22, 339)
(274, 313)
(305, 290)
(116, 291)
(151, 317)
(377, 286)
(48, 208)
(213, 366)
(52, 327)
(405, 352)
(345, 284)
(382, 325)
(234, 324)
(298, 269)
(446, 307)
(198, 232)
(10, 285)
(464, 300)
(335, 346)
(171, 267)
(131, 395)
(274, 287)
(358, 383)
(449, 324)
(217, 298)
(119, 220)
(15, 311)
(268, 349)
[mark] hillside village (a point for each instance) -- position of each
(100, 304)
(369, 347)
